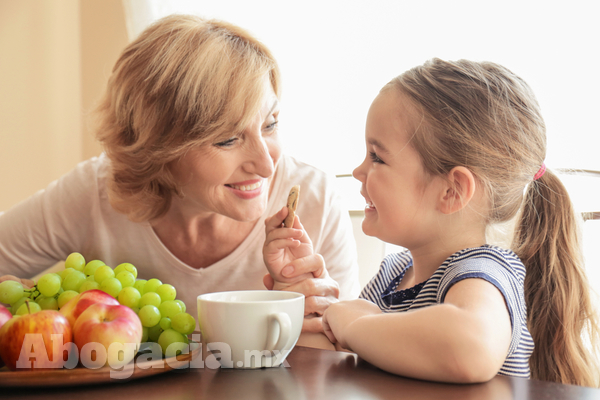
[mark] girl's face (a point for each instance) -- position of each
(400, 195)
(232, 177)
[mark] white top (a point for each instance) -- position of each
(73, 214)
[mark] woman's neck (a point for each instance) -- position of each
(202, 240)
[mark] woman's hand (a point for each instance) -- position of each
(27, 283)
(320, 290)
(283, 246)
(293, 266)
(338, 318)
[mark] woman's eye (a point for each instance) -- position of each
(226, 143)
(272, 125)
(375, 158)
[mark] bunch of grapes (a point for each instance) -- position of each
(163, 316)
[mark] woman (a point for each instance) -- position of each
(192, 166)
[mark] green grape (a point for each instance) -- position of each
(165, 323)
(126, 278)
(111, 286)
(183, 323)
(15, 306)
(75, 261)
(152, 285)
(49, 284)
(47, 303)
(139, 285)
(130, 297)
(171, 342)
(73, 280)
(150, 298)
(144, 334)
(182, 304)
(63, 274)
(166, 292)
(29, 307)
(65, 296)
(92, 266)
(10, 292)
(103, 272)
(127, 267)
(89, 285)
(169, 308)
(136, 309)
(154, 333)
(149, 315)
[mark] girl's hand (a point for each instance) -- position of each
(284, 246)
(320, 290)
(27, 283)
(340, 316)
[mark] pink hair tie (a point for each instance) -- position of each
(540, 172)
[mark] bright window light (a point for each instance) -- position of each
(336, 55)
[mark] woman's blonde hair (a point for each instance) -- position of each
(185, 81)
(484, 117)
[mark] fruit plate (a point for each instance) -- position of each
(142, 367)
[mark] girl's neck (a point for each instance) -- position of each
(429, 257)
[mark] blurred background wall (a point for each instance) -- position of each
(55, 59)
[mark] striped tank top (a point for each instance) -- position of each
(500, 267)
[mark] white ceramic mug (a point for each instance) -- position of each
(251, 328)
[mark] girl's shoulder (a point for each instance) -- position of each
(486, 260)
(486, 256)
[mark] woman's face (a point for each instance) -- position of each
(232, 177)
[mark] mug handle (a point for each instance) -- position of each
(277, 338)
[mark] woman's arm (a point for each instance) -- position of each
(465, 339)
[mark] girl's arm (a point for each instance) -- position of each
(465, 339)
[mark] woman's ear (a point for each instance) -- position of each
(458, 191)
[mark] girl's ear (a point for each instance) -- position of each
(458, 191)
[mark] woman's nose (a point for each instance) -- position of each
(260, 161)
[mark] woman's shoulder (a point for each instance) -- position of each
(294, 169)
(316, 186)
(87, 178)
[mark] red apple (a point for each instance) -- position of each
(5, 315)
(30, 336)
(78, 304)
(112, 327)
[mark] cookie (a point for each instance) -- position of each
(292, 204)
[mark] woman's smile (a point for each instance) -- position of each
(247, 189)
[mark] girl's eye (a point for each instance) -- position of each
(375, 158)
(227, 143)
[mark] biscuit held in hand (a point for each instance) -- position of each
(292, 205)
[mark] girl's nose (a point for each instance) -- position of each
(358, 172)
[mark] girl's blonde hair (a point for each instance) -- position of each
(484, 117)
(185, 81)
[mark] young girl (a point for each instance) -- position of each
(451, 148)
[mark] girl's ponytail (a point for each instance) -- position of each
(561, 316)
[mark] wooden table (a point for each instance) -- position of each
(312, 374)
